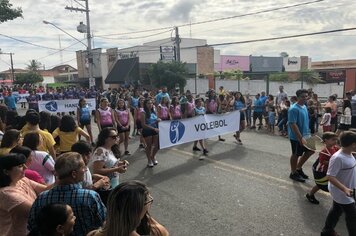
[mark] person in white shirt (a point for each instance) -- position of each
(342, 183)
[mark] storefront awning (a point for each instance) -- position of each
(124, 71)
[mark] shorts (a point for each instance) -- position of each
(106, 126)
(242, 116)
(122, 129)
(84, 122)
(257, 115)
(333, 120)
(344, 127)
(148, 132)
(297, 148)
(138, 124)
(353, 122)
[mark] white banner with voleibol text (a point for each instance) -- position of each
(68, 105)
(176, 132)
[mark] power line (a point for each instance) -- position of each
(221, 19)
(274, 38)
(140, 37)
(32, 44)
(62, 63)
(59, 50)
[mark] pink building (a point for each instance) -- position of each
(233, 63)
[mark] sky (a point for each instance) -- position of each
(112, 20)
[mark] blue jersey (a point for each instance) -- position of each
(238, 105)
(258, 105)
(134, 102)
(84, 113)
(199, 111)
(152, 120)
(298, 115)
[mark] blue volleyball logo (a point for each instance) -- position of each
(176, 131)
(51, 106)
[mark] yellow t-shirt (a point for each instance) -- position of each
(67, 139)
(48, 140)
(4, 151)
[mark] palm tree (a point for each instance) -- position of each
(34, 65)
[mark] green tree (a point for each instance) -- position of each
(310, 77)
(28, 78)
(280, 77)
(7, 12)
(168, 74)
(33, 65)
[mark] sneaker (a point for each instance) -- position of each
(311, 199)
(205, 152)
(239, 141)
(150, 164)
(141, 146)
(222, 139)
(155, 162)
(127, 153)
(302, 174)
(196, 149)
(201, 158)
(296, 177)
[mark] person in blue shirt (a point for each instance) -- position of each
(162, 94)
(10, 101)
(239, 104)
(257, 111)
(298, 131)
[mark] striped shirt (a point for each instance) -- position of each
(87, 206)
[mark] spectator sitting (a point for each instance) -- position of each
(42, 162)
(31, 174)
(53, 220)
(11, 139)
(17, 193)
(32, 125)
(86, 204)
(130, 200)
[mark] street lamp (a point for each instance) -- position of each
(88, 46)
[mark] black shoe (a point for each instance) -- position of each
(253, 127)
(196, 149)
(205, 152)
(312, 199)
(221, 139)
(127, 153)
(141, 146)
(302, 174)
(296, 177)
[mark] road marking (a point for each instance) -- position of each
(278, 182)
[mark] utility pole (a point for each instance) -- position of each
(60, 48)
(90, 56)
(12, 63)
(177, 42)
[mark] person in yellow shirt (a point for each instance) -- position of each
(11, 139)
(68, 133)
(32, 125)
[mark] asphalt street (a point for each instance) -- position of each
(237, 190)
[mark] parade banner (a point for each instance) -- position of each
(177, 132)
(20, 97)
(67, 105)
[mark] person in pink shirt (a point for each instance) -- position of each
(122, 118)
(175, 110)
(17, 194)
(104, 115)
(162, 109)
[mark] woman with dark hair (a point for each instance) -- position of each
(345, 118)
(54, 220)
(175, 109)
(104, 115)
(333, 106)
(149, 121)
(239, 105)
(68, 133)
(31, 174)
(11, 139)
(12, 119)
(45, 121)
(122, 118)
(17, 194)
(103, 160)
(127, 213)
(41, 162)
(137, 115)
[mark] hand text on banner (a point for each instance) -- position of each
(67, 105)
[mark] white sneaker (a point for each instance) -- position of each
(155, 162)
(201, 157)
(150, 164)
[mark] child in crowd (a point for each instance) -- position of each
(271, 119)
(320, 167)
(326, 120)
(199, 110)
(122, 119)
(84, 117)
(342, 182)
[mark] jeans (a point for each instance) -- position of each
(248, 116)
(334, 215)
(282, 125)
